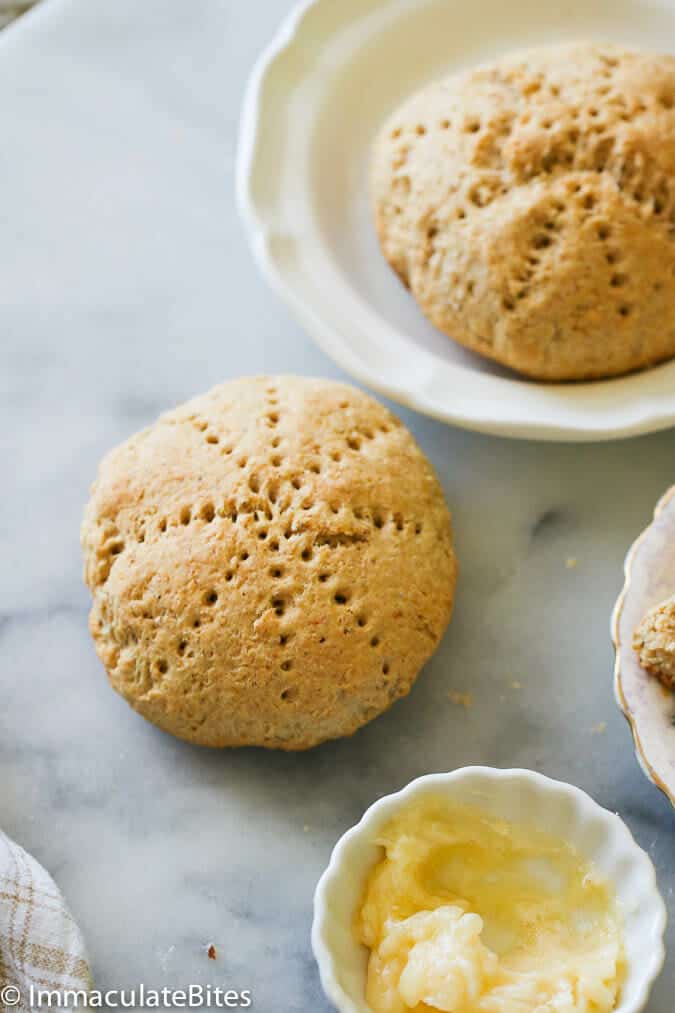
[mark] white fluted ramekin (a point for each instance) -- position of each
(520, 796)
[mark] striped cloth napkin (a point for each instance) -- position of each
(40, 945)
(10, 9)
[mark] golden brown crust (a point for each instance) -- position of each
(654, 641)
(530, 207)
(271, 564)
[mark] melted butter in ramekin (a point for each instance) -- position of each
(467, 913)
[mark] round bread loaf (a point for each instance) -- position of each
(654, 642)
(530, 207)
(271, 564)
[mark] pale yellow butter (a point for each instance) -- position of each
(469, 914)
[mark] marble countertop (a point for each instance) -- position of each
(127, 287)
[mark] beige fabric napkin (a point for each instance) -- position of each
(40, 944)
(10, 9)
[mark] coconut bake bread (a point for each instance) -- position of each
(654, 642)
(271, 564)
(530, 207)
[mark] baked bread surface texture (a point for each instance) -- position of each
(271, 564)
(654, 642)
(529, 205)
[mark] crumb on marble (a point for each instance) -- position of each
(571, 562)
(464, 700)
(599, 729)
(211, 952)
(516, 685)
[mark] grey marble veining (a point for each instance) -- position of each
(126, 286)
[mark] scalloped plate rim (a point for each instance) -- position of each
(640, 751)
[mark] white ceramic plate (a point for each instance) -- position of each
(649, 707)
(314, 102)
(521, 796)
